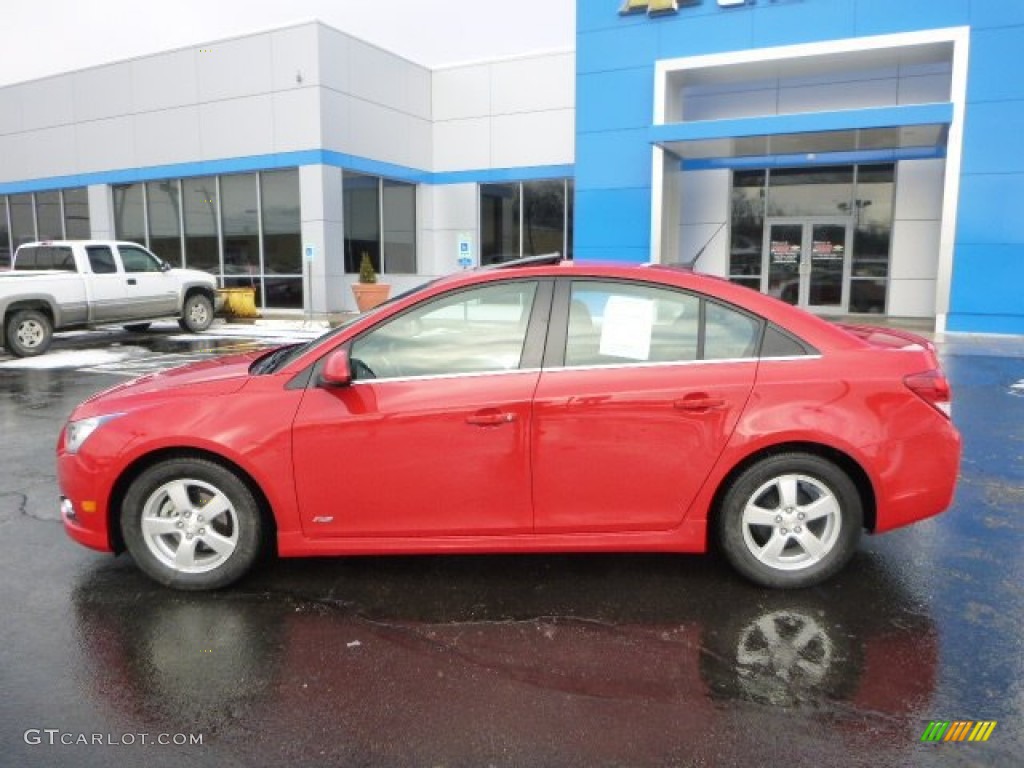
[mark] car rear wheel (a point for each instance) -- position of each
(28, 333)
(197, 314)
(790, 520)
(191, 524)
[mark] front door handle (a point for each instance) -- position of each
(131, 281)
(490, 418)
(698, 404)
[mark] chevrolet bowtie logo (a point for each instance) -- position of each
(650, 7)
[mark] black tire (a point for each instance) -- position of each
(137, 327)
(197, 314)
(805, 518)
(181, 548)
(28, 333)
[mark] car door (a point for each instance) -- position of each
(106, 285)
(150, 290)
(642, 387)
(432, 437)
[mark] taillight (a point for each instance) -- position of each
(933, 388)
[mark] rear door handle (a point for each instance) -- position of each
(698, 404)
(490, 418)
(131, 281)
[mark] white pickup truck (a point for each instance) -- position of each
(63, 284)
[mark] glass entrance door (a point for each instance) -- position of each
(807, 262)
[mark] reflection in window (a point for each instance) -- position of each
(474, 331)
(129, 217)
(163, 199)
(76, 214)
(49, 220)
(199, 198)
(525, 219)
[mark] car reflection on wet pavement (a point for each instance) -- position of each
(533, 660)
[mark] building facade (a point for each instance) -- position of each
(850, 156)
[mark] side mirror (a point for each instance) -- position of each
(337, 371)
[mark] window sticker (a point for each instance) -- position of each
(626, 327)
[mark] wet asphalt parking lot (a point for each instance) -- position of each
(621, 660)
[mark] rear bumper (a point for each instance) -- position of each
(920, 478)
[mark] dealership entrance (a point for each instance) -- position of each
(806, 262)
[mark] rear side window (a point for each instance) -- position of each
(57, 257)
(101, 259)
(613, 323)
(778, 343)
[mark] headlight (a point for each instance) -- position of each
(78, 432)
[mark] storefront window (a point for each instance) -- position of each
(810, 191)
(499, 223)
(5, 236)
(398, 225)
(199, 196)
(241, 232)
(747, 228)
(525, 219)
(282, 238)
(76, 214)
(872, 236)
(23, 225)
(362, 219)
(163, 199)
(48, 216)
(129, 217)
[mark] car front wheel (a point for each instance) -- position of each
(790, 520)
(197, 314)
(191, 524)
(29, 333)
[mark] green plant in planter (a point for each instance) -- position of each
(367, 274)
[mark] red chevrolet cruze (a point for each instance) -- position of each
(534, 408)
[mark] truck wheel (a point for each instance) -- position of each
(198, 313)
(28, 333)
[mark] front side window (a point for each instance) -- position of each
(617, 323)
(138, 260)
(480, 330)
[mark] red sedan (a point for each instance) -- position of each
(532, 408)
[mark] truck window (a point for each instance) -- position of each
(138, 260)
(45, 257)
(101, 259)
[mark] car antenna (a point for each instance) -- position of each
(692, 263)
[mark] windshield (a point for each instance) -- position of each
(282, 356)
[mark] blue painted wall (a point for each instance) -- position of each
(614, 102)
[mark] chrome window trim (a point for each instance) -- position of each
(433, 376)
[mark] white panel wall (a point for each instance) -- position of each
(913, 265)
(704, 205)
(515, 112)
(250, 95)
(376, 105)
(322, 228)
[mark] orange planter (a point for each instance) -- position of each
(369, 295)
